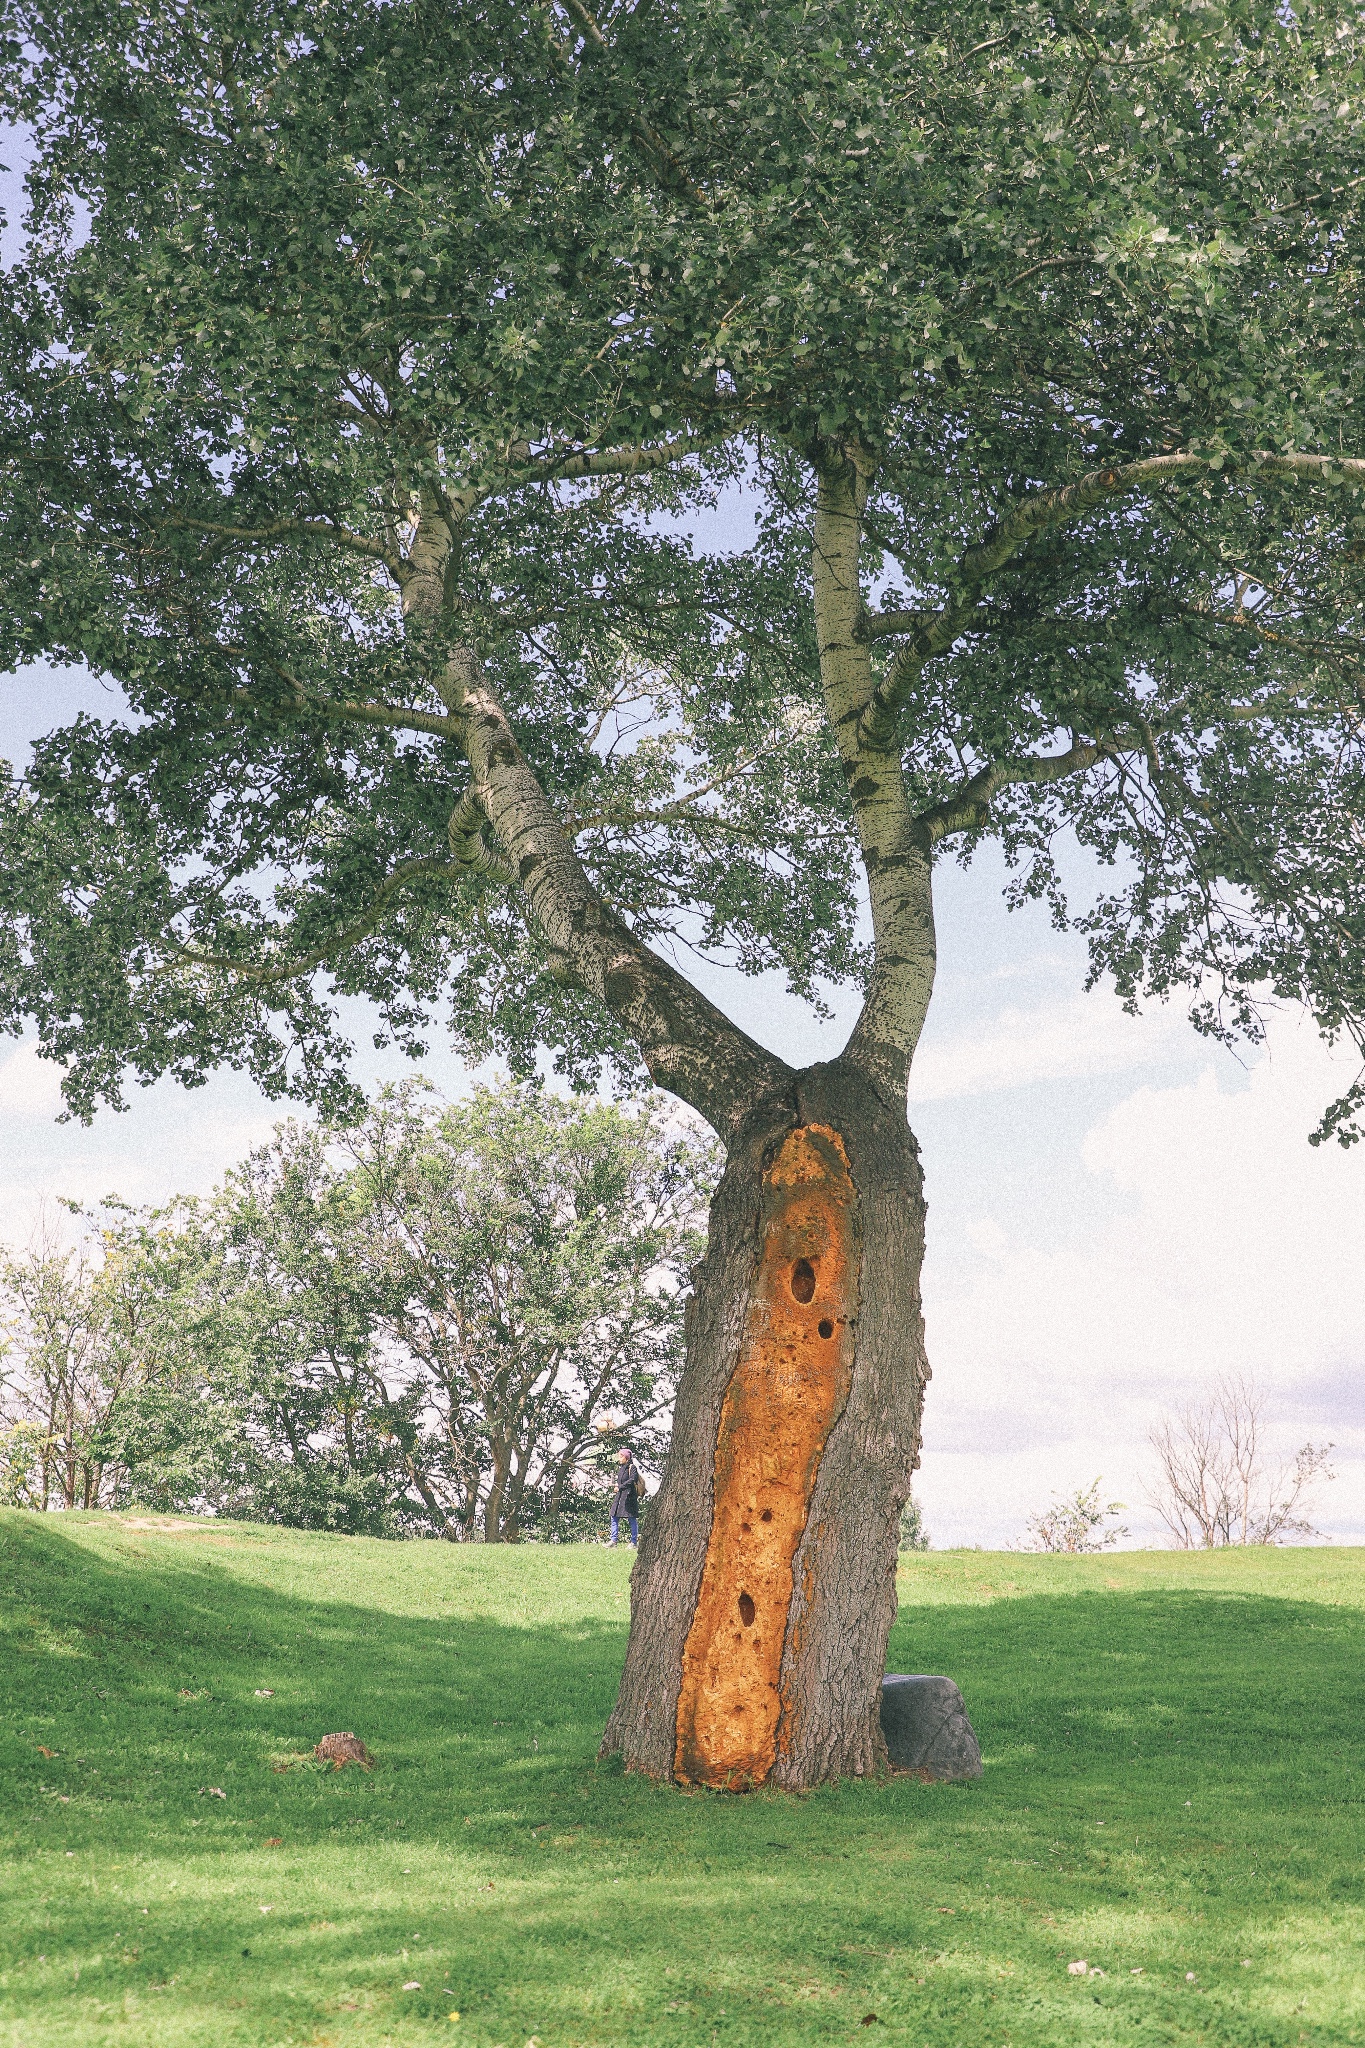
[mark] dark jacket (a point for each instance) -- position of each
(627, 1501)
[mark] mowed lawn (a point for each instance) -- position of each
(1175, 1760)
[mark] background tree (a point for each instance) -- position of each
(83, 1334)
(913, 1534)
(340, 442)
(473, 1305)
(1216, 1484)
(440, 1320)
(1076, 1523)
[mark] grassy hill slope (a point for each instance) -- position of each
(1173, 1793)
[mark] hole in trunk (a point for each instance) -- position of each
(803, 1280)
(826, 1327)
(746, 1610)
(766, 1515)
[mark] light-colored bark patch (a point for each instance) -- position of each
(789, 1387)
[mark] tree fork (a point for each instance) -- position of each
(764, 1591)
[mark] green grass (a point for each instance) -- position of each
(1173, 1745)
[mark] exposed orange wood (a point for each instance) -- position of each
(789, 1386)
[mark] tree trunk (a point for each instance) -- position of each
(764, 1590)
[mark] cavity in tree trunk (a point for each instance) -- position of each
(764, 1590)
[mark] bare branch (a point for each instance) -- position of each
(1214, 1487)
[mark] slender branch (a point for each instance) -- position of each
(1049, 263)
(966, 810)
(339, 710)
(260, 976)
(282, 529)
(672, 810)
(673, 173)
(1035, 515)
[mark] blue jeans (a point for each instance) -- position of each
(634, 1528)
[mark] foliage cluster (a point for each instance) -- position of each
(1076, 1523)
(440, 1319)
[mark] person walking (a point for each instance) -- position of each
(626, 1506)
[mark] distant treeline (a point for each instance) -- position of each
(441, 1320)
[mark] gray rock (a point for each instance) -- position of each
(925, 1724)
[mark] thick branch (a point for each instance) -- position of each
(967, 809)
(467, 843)
(633, 461)
(896, 854)
(688, 1045)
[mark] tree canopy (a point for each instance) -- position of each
(368, 364)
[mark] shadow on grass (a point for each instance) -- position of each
(168, 1657)
(487, 1853)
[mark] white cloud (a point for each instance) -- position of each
(1070, 1039)
(30, 1086)
(1217, 1240)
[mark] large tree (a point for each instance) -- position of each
(364, 368)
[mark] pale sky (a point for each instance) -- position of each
(1118, 1211)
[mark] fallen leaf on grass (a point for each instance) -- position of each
(265, 1692)
(274, 1841)
(44, 1751)
(267, 1909)
(413, 1986)
(212, 1792)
